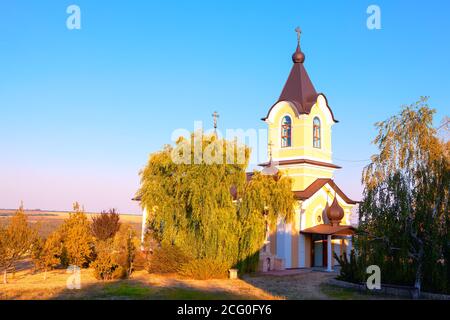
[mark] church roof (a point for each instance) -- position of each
(300, 161)
(317, 185)
(299, 89)
(327, 229)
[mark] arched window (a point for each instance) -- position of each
(286, 132)
(316, 133)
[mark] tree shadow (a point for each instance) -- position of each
(140, 289)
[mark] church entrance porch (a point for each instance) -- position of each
(325, 240)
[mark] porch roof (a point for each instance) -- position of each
(328, 229)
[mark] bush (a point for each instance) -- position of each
(203, 269)
(16, 240)
(106, 225)
(104, 266)
(77, 238)
(46, 254)
(167, 259)
(120, 273)
(115, 256)
(351, 271)
(125, 244)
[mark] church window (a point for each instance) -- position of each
(316, 133)
(286, 132)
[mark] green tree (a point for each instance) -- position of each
(104, 265)
(16, 240)
(203, 204)
(125, 244)
(404, 216)
(77, 238)
(115, 256)
(264, 200)
(47, 254)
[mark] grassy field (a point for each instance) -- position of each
(48, 221)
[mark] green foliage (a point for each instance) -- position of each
(351, 270)
(47, 254)
(114, 257)
(191, 205)
(106, 225)
(204, 269)
(36, 252)
(125, 244)
(104, 265)
(404, 216)
(264, 200)
(16, 240)
(167, 259)
(77, 239)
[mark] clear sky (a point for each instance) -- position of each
(81, 110)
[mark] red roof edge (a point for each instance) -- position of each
(300, 161)
(317, 185)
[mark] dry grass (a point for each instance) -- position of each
(25, 285)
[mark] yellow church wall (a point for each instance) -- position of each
(315, 206)
(302, 133)
(308, 243)
(295, 234)
(302, 142)
(294, 250)
(303, 175)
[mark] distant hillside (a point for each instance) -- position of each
(48, 221)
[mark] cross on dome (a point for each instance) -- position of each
(299, 33)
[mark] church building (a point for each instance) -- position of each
(299, 143)
(300, 125)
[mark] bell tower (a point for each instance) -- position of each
(299, 125)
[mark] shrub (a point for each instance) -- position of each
(167, 259)
(351, 271)
(115, 256)
(16, 240)
(104, 265)
(106, 225)
(120, 273)
(37, 249)
(77, 238)
(203, 269)
(124, 244)
(47, 253)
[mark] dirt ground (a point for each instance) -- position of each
(306, 284)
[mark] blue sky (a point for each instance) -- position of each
(81, 110)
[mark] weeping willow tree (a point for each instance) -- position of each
(264, 200)
(404, 216)
(199, 200)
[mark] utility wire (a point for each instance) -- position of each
(347, 160)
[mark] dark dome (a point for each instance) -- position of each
(298, 56)
(335, 213)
